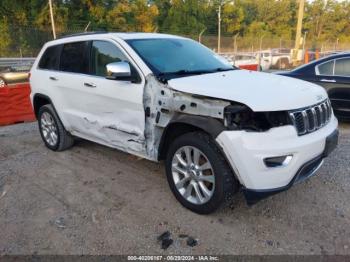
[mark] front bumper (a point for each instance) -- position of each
(246, 152)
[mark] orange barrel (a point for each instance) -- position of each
(306, 57)
(317, 54)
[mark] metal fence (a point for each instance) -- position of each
(26, 42)
(16, 60)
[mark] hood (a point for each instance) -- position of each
(259, 91)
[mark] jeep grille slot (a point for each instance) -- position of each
(312, 118)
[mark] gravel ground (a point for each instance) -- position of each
(96, 200)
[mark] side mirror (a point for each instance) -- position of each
(118, 71)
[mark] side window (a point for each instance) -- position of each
(325, 69)
(342, 67)
(50, 58)
(103, 53)
(74, 57)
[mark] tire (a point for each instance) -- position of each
(283, 63)
(49, 123)
(218, 192)
(2, 83)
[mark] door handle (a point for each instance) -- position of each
(328, 80)
(53, 78)
(89, 85)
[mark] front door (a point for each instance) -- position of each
(107, 111)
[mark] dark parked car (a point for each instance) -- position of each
(333, 73)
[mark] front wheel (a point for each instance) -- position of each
(198, 174)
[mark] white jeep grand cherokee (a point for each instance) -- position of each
(164, 97)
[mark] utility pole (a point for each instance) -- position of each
(52, 20)
(260, 51)
(336, 46)
(219, 28)
(298, 33)
(304, 42)
(235, 43)
(87, 26)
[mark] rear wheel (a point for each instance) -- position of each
(283, 63)
(2, 83)
(52, 131)
(198, 174)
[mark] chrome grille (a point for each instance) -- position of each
(312, 118)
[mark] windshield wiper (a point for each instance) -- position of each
(221, 69)
(195, 72)
(185, 72)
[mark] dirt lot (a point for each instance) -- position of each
(96, 200)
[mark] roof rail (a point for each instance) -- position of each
(84, 33)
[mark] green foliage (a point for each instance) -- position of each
(328, 21)
(5, 37)
(43, 20)
(186, 17)
(232, 17)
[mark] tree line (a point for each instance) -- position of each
(323, 20)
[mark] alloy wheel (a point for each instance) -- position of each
(2, 83)
(193, 175)
(49, 129)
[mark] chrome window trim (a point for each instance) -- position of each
(317, 72)
(342, 58)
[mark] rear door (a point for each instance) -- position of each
(340, 93)
(46, 68)
(334, 76)
(66, 83)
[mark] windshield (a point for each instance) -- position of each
(175, 57)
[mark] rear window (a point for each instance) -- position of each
(50, 58)
(326, 68)
(342, 67)
(74, 57)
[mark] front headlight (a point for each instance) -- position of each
(241, 117)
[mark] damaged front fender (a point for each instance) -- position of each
(165, 106)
